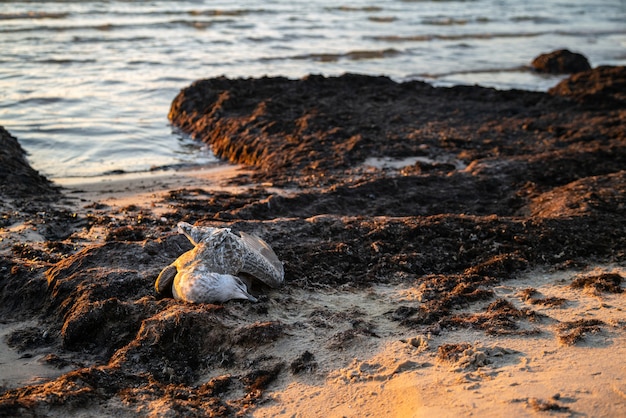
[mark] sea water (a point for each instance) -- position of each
(86, 85)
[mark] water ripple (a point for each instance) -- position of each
(87, 85)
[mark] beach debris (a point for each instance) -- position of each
(529, 295)
(220, 267)
(598, 283)
(541, 405)
(465, 356)
(305, 363)
(571, 332)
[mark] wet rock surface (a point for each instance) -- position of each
(561, 62)
(499, 182)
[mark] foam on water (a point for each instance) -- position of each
(86, 86)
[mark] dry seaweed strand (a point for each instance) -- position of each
(452, 352)
(604, 282)
(540, 405)
(574, 331)
(499, 318)
(527, 296)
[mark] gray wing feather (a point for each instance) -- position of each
(261, 261)
(257, 244)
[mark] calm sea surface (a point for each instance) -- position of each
(86, 85)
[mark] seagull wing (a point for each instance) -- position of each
(261, 261)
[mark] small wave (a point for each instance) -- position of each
(469, 36)
(285, 37)
(369, 54)
(144, 62)
(534, 19)
(65, 61)
(52, 28)
(591, 32)
(220, 12)
(41, 101)
(140, 171)
(517, 69)
(198, 24)
(444, 21)
(110, 82)
(368, 9)
(352, 55)
(436, 1)
(33, 15)
(110, 27)
(172, 79)
(99, 39)
(460, 37)
(451, 21)
(382, 19)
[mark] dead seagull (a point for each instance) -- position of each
(208, 272)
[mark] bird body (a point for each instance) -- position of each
(208, 272)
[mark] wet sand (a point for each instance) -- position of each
(447, 252)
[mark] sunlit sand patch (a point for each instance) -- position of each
(21, 232)
(405, 372)
(578, 302)
(148, 187)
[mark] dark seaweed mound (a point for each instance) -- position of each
(507, 180)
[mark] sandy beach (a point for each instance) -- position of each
(455, 252)
(404, 375)
(399, 372)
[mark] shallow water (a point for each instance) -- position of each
(86, 85)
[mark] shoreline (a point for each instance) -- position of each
(466, 257)
(121, 189)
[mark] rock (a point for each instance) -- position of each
(561, 62)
